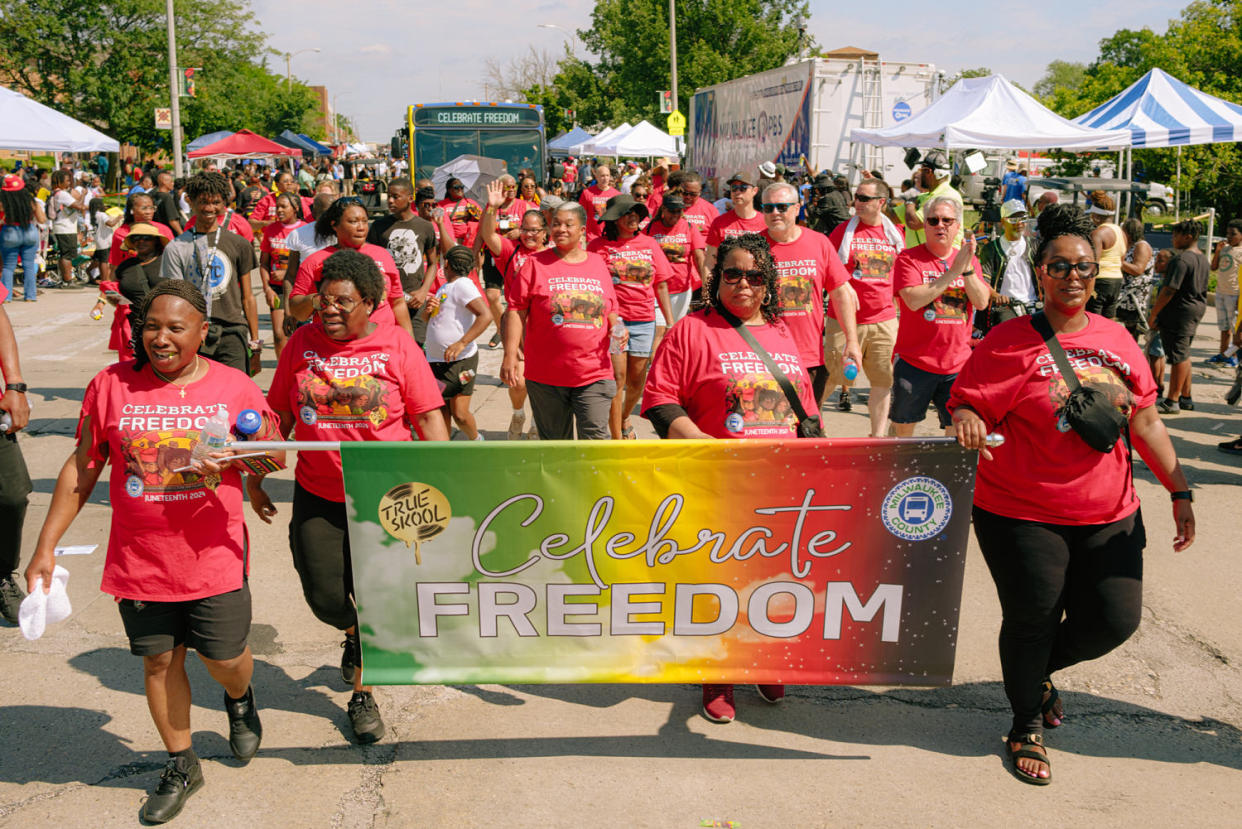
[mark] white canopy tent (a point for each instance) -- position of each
(588, 147)
(644, 140)
(991, 113)
(26, 124)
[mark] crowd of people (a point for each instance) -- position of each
(713, 320)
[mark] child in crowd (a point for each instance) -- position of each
(456, 314)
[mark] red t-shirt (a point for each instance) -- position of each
(679, 243)
(265, 209)
(567, 308)
(594, 201)
(237, 224)
(457, 213)
(637, 265)
(175, 536)
(510, 218)
(1044, 471)
(870, 267)
(936, 337)
(705, 367)
(117, 254)
(274, 242)
(729, 224)
(806, 268)
(701, 214)
(307, 281)
(369, 388)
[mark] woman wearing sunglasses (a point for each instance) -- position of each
(344, 377)
(1058, 522)
(693, 392)
(463, 213)
(346, 221)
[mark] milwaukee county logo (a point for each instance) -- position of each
(917, 509)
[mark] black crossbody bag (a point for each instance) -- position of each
(808, 427)
(1087, 410)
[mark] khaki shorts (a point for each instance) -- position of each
(876, 339)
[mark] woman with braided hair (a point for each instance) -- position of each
(177, 559)
(1058, 520)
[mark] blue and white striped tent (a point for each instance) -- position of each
(1161, 111)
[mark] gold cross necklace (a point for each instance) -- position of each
(180, 386)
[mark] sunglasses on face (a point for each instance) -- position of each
(936, 221)
(738, 188)
(778, 207)
(732, 276)
(859, 197)
(457, 187)
(1062, 270)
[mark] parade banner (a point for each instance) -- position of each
(834, 561)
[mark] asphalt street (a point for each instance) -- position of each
(1151, 735)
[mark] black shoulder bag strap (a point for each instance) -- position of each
(791, 393)
(1041, 324)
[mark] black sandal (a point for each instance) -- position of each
(1046, 707)
(1028, 754)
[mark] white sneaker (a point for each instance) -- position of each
(479, 436)
(515, 425)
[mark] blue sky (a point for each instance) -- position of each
(376, 57)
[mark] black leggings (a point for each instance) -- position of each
(1067, 594)
(319, 539)
(14, 487)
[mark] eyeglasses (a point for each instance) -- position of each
(532, 229)
(345, 305)
(738, 188)
(778, 207)
(859, 197)
(732, 276)
(936, 221)
(1062, 269)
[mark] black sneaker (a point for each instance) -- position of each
(1167, 406)
(364, 717)
(844, 404)
(245, 730)
(351, 658)
(1186, 404)
(181, 778)
(11, 595)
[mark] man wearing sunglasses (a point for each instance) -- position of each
(806, 266)
(867, 245)
(939, 286)
(1009, 269)
(741, 218)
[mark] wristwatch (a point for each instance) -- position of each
(20, 388)
(1182, 495)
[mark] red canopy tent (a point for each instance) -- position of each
(244, 144)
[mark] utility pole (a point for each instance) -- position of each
(672, 49)
(174, 87)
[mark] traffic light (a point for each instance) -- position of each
(667, 104)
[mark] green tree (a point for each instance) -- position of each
(1202, 48)
(105, 63)
(717, 40)
(1060, 74)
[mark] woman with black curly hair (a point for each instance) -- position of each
(706, 381)
(178, 555)
(1057, 520)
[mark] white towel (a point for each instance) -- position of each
(39, 608)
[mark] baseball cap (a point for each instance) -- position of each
(13, 182)
(936, 160)
(673, 201)
(741, 178)
(622, 204)
(1012, 208)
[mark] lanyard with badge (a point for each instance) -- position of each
(204, 268)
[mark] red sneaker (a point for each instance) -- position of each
(718, 703)
(771, 693)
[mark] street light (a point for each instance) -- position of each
(566, 33)
(290, 56)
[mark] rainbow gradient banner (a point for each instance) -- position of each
(834, 561)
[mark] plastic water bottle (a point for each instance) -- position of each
(618, 331)
(851, 369)
(96, 314)
(6, 422)
(248, 424)
(214, 436)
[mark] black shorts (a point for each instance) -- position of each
(914, 388)
(1176, 336)
(456, 378)
(216, 626)
(67, 245)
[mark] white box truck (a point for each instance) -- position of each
(807, 108)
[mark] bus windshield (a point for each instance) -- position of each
(512, 133)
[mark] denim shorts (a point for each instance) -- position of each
(642, 337)
(914, 389)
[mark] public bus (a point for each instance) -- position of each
(512, 133)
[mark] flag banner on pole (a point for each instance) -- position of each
(802, 562)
